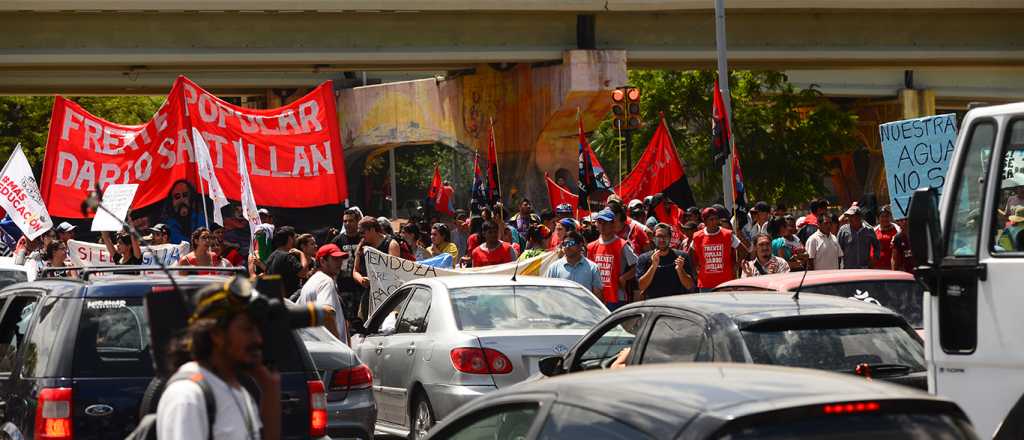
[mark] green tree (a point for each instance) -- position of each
(782, 134)
(26, 119)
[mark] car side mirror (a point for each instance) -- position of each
(924, 231)
(551, 366)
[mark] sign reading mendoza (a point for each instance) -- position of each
(916, 153)
(388, 273)
(295, 146)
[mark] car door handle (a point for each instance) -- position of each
(380, 348)
(411, 349)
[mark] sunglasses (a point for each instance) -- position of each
(569, 243)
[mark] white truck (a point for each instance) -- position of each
(970, 251)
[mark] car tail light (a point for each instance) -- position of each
(317, 408)
(480, 361)
(53, 414)
(850, 407)
(355, 378)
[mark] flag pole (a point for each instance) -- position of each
(497, 173)
(723, 82)
(202, 188)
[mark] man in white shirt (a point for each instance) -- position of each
(823, 249)
(225, 343)
(322, 290)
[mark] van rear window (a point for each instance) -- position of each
(113, 339)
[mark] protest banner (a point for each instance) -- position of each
(83, 253)
(916, 154)
(117, 199)
(20, 197)
(387, 273)
(298, 145)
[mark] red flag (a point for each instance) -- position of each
(558, 195)
(435, 185)
(659, 170)
(720, 133)
(439, 194)
(493, 185)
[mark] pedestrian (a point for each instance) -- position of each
(562, 228)
(884, 233)
(858, 241)
(716, 250)
(124, 250)
(158, 235)
(614, 257)
(287, 261)
(902, 255)
(764, 263)
(816, 209)
(664, 271)
(537, 239)
(373, 237)
(411, 236)
(563, 211)
(685, 242)
(492, 251)
(65, 232)
(760, 214)
(574, 266)
(637, 211)
(265, 216)
(307, 244)
(321, 289)
(224, 343)
(787, 246)
(823, 250)
(460, 232)
(441, 242)
(55, 256)
(202, 254)
(524, 218)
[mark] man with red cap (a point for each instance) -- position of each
(715, 250)
(322, 290)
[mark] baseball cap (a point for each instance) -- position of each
(65, 227)
(708, 211)
(564, 208)
(761, 207)
(634, 203)
(854, 210)
(606, 215)
(330, 250)
(263, 211)
(159, 227)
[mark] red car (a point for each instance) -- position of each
(892, 289)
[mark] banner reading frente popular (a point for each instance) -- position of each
(294, 146)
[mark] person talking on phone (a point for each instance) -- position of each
(664, 271)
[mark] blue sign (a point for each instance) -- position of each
(916, 153)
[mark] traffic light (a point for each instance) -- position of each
(619, 109)
(632, 108)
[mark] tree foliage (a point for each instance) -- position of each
(26, 119)
(782, 134)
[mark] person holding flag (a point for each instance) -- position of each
(439, 195)
(478, 196)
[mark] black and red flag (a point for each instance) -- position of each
(659, 170)
(720, 133)
(478, 196)
(739, 189)
(493, 186)
(592, 177)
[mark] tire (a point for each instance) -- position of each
(421, 417)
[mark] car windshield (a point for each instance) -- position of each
(903, 297)
(8, 277)
(834, 344)
(881, 426)
(525, 307)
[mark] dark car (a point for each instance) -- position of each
(814, 331)
(887, 288)
(351, 409)
(706, 401)
(75, 360)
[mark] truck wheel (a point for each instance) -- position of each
(422, 417)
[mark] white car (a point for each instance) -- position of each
(11, 273)
(459, 337)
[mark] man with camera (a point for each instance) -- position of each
(226, 344)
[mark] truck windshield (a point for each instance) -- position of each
(525, 307)
(835, 348)
(879, 426)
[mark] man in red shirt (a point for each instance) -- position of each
(715, 250)
(615, 260)
(885, 231)
(492, 251)
(630, 230)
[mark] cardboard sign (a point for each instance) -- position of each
(83, 253)
(388, 273)
(118, 200)
(20, 197)
(917, 154)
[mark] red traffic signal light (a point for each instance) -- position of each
(633, 94)
(618, 95)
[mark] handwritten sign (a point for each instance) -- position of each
(117, 199)
(916, 153)
(92, 254)
(387, 273)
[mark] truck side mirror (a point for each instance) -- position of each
(550, 366)
(924, 232)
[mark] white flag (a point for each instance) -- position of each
(20, 197)
(249, 209)
(205, 165)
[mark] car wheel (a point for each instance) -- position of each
(422, 417)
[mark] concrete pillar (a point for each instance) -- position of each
(926, 102)
(910, 104)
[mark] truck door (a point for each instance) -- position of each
(975, 326)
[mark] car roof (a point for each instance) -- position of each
(748, 307)
(112, 285)
(661, 398)
(996, 110)
(459, 281)
(791, 280)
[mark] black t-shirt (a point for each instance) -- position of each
(666, 281)
(288, 267)
(132, 260)
(344, 279)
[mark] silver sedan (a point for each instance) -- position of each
(437, 343)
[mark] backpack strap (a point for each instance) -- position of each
(208, 397)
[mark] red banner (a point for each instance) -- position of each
(658, 171)
(294, 152)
